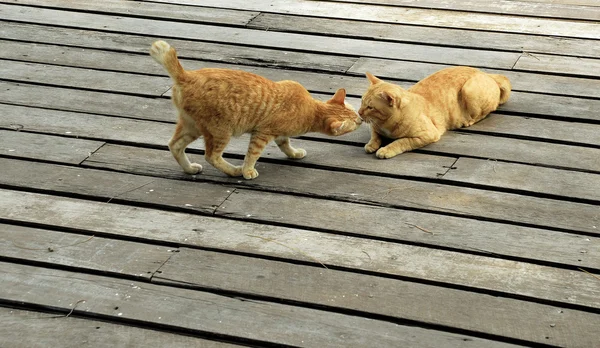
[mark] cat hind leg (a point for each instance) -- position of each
(255, 148)
(215, 146)
(284, 145)
(480, 96)
(181, 139)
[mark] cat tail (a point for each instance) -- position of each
(166, 55)
(505, 86)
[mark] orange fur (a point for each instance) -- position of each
(448, 99)
(220, 103)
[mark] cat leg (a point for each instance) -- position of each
(285, 147)
(255, 148)
(407, 144)
(374, 143)
(182, 137)
(214, 154)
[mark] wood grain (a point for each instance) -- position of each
(503, 277)
(52, 330)
(201, 312)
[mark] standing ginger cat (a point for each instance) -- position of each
(220, 103)
(448, 99)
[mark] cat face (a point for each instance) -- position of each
(342, 116)
(379, 101)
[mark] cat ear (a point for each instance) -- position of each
(337, 127)
(339, 97)
(388, 98)
(374, 79)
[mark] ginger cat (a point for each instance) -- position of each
(448, 99)
(220, 103)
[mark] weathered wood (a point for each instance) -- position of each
(82, 251)
(60, 149)
(84, 78)
(437, 18)
(227, 53)
(527, 82)
(536, 128)
(367, 189)
(559, 64)
(101, 103)
(566, 2)
(471, 144)
(555, 182)
(197, 196)
(206, 312)
(505, 7)
(502, 240)
(405, 300)
(20, 328)
(128, 130)
(269, 39)
(446, 267)
(436, 36)
(149, 10)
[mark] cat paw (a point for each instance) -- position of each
(385, 153)
(370, 147)
(194, 168)
(250, 174)
(298, 154)
(237, 171)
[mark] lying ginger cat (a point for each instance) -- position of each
(220, 103)
(448, 99)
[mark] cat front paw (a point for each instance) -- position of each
(194, 168)
(384, 152)
(250, 174)
(298, 154)
(371, 147)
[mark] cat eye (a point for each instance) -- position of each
(369, 108)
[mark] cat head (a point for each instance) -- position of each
(341, 117)
(381, 100)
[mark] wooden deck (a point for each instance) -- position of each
(489, 238)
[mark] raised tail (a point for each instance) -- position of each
(505, 86)
(166, 55)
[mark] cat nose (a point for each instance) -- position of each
(360, 111)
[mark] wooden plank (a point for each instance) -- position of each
(202, 312)
(59, 149)
(121, 186)
(559, 64)
(227, 53)
(101, 103)
(127, 130)
(430, 35)
(566, 2)
(84, 78)
(241, 36)
(391, 192)
(399, 299)
(527, 82)
(159, 11)
(21, 328)
(471, 144)
(519, 102)
(501, 277)
(82, 251)
(414, 16)
(399, 225)
(584, 186)
(505, 7)
(537, 128)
